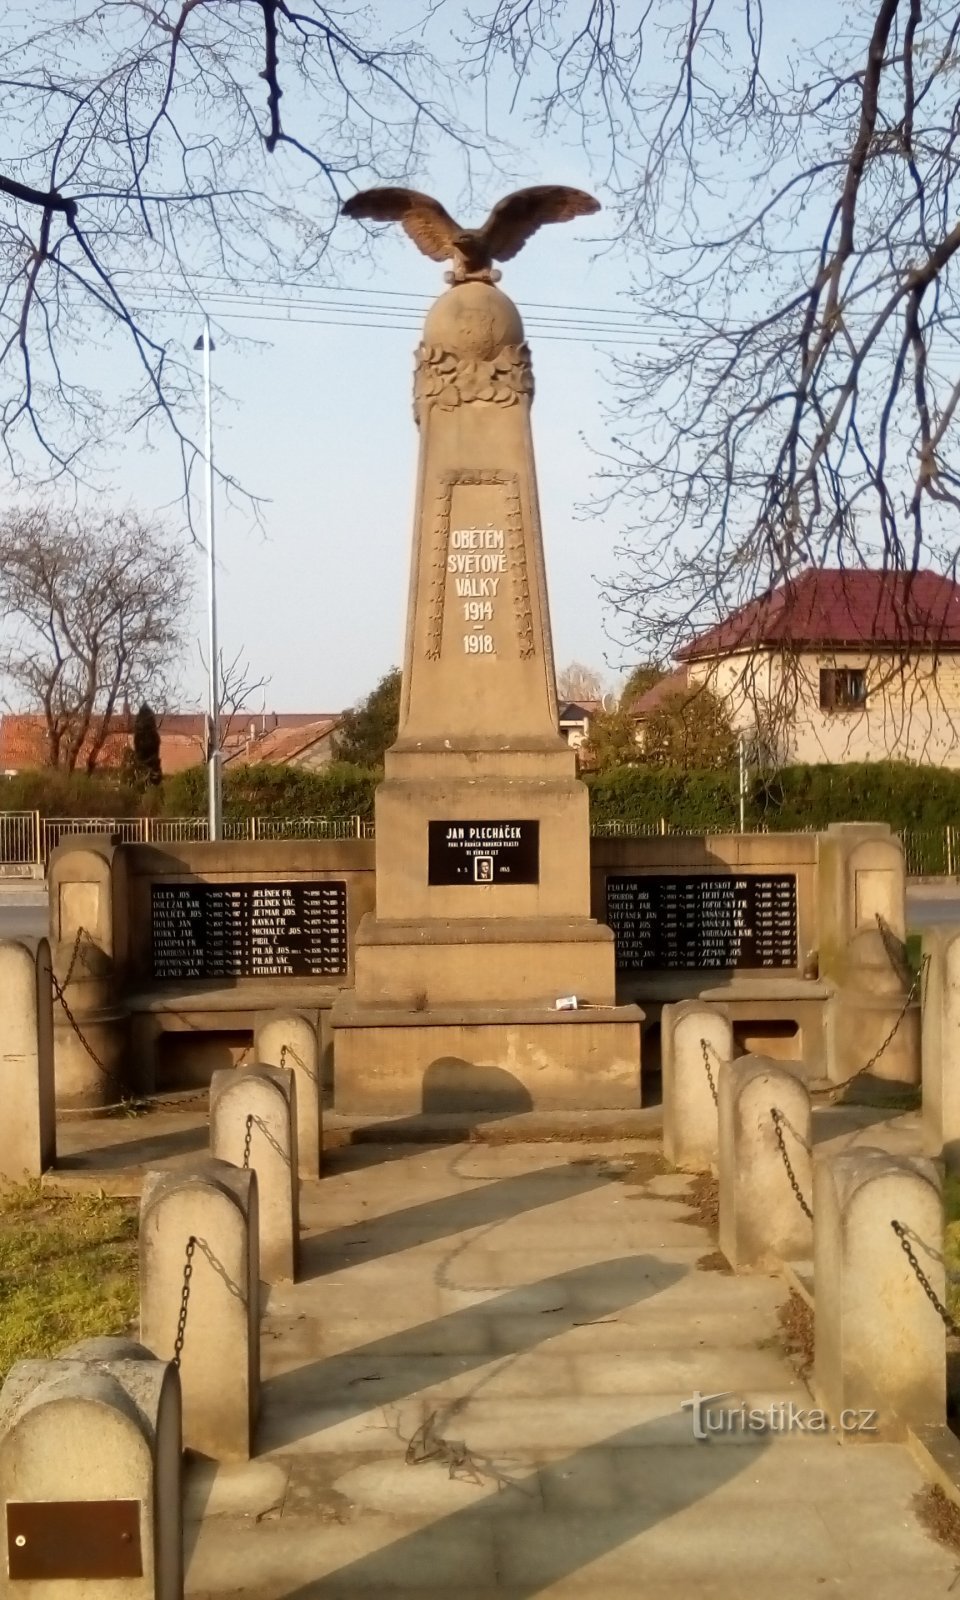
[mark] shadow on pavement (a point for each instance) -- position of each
(535, 1550)
(445, 1348)
(492, 1201)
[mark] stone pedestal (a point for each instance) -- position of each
(696, 1046)
(879, 1341)
(862, 910)
(485, 1059)
(90, 1475)
(483, 873)
(28, 1134)
(88, 945)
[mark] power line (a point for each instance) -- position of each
(293, 315)
(418, 296)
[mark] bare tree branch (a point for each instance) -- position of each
(95, 607)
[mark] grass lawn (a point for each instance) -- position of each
(68, 1270)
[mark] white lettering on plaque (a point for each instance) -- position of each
(477, 558)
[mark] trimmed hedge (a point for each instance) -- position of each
(895, 792)
(698, 801)
(905, 796)
(271, 790)
(64, 794)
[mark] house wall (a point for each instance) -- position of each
(912, 712)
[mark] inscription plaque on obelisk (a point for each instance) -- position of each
(482, 831)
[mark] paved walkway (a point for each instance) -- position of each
(531, 1318)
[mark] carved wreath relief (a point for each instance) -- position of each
(476, 561)
(450, 381)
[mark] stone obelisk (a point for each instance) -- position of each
(482, 834)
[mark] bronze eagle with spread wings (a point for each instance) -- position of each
(472, 250)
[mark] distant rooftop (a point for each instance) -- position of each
(837, 607)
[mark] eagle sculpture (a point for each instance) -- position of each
(472, 250)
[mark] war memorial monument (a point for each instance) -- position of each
(437, 965)
(369, 1363)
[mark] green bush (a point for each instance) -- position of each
(895, 792)
(643, 796)
(904, 796)
(65, 794)
(270, 789)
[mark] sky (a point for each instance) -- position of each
(316, 419)
(319, 421)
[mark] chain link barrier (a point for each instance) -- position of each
(247, 1141)
(184, 1302)
(779, 1122)
(924, 1282)
(705, 1050)
(59, 991)
(883, 1047)
(124, 1101)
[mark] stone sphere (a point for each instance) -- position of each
(473, 320)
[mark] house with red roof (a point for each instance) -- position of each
(300, 737)
(837, 665)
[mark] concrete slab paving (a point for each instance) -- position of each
(554, 1377)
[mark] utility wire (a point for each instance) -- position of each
(420, 298)
(294, 315)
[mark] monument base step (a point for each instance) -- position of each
(482, 1058)
(513, 961)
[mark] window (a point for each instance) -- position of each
(843, 688)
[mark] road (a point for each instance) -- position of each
(22, 911)
(932, 903)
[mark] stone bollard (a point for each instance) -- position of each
(28, 1134)
(290, 1039)
(879, 1341)
(87, 882)
(204, 1218)
(253, 1123)
(696, 1043)
(90, 1475)
(764, 1138)
(940, 1042)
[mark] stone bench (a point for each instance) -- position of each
(209, 1015)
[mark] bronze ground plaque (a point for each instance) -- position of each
(74, 1539)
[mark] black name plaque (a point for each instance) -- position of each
(708, 921)
(483, 852)
(249, 930)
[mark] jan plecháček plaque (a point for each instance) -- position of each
(249, 930)
(709, 921)
(483, 852)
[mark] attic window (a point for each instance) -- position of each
(843, 688)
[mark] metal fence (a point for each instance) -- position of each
(26, 838)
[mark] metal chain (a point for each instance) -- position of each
(705, 1048)
(75, 955)
(778, 1121)
(923, 1280)
(124, 1101)
(105, 1072)
(912, 993)
(895, 948)
(247, 1140)
(184, 1302)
